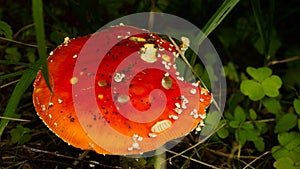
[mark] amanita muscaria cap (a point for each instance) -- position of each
(118, 91)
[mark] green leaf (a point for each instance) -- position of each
(296, 104)
(241, 136)
(233, 100)
(20, 135)
(12, 54)
(279, 152)
(259, 46)
(259, 74)
(259, 144)
(234, 124)
(252, 114)
(252, 89)
(284, 163)
(273, 46)
(30, 54)
(211, 120)
(252, 134)
(230, 72)
(298, 124)
(289, 140)
(271, 85)
(262, 127)
(228, 115)
(223, 133)
(275, 43)
(272, 105)
(247, 126)
(239, 114)
(5, 30)
(286, 122)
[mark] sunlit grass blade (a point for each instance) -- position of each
(23, 84)
(216, 19)
(210, 26)
(213, 23)
(37, 9)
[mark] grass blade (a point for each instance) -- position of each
(264, 26)
(259, 23)
(213, 22)
(37, 9)
(8, 62)
(216, 19)
(29, 75)
(18, 73)
(23, 84)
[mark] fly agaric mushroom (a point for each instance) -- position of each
(139, 93)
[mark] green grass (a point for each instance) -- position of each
(11, 108)
(28, 75)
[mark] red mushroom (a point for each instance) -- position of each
(139, 93)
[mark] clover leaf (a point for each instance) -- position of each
(296, 104)
(253, 89)
(259, 74)
(271, 85)
(286, 122)
(289, 140)
(262, 84)
(20, 134)
(289, 146)
(284, 162)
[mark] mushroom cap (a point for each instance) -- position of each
(134, 101)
